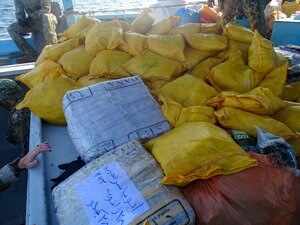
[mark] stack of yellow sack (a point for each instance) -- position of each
(227, 76)
(92, 51)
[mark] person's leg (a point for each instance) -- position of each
(254, 10)
(19, 125)
(210, 3)
(240, 12)
(39, 41)
(17, 33)
(49, 28)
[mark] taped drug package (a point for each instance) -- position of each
(121, 187)
(106, 115)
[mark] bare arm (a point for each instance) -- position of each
(10, 172)
(30, 160)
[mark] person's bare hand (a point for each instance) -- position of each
(30, 160)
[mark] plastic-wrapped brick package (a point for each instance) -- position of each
(120, 187)
(106, 115)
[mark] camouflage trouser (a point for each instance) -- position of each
(7, 176)
(46, 24)
(3, 185)
(18, 129)
(253, 10)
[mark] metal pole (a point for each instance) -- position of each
(68, 6)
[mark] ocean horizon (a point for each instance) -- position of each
(7, 9)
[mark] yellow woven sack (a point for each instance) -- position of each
(233, 75)
(169, 46)
(238, 33)
(188, 90)
(146, 222)
(82, 34)
(290, 116)
(108, 63)
(76, 63)
(275, 80)
(288, 8)
(280, 60)
(143, 22)
(104, 35)
(235, 47)
(76, 28)
(211, 28)
(135, 43)
(156, 84)
(89, 80)
(295, 143)
(176, 114)
(202, 70)
(164, 26)
(260, 100)
(236, 119)
(207, 42)
(30, 78)
(125, 25)
(153, 67)
(291, 91)
(262, 57)
(197, 150)
(54, 52)
(43, 55)
(187, 28)
(194, 57)
(45, 98)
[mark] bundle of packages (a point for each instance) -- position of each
(202, 75)
(204, 59)
(92, 51)
(106, 115)
(121, 187)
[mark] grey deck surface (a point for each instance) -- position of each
(40, 210)
(15, 69)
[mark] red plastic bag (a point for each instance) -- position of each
(208, 14)
(266, 194)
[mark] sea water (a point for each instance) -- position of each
(7, 9)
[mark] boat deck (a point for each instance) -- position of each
(39, 197)
(10, 71)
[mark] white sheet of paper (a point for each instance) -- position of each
(109, 197)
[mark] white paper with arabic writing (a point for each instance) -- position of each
(167, 205)
(110, 197)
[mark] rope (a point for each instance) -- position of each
(92, 13)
